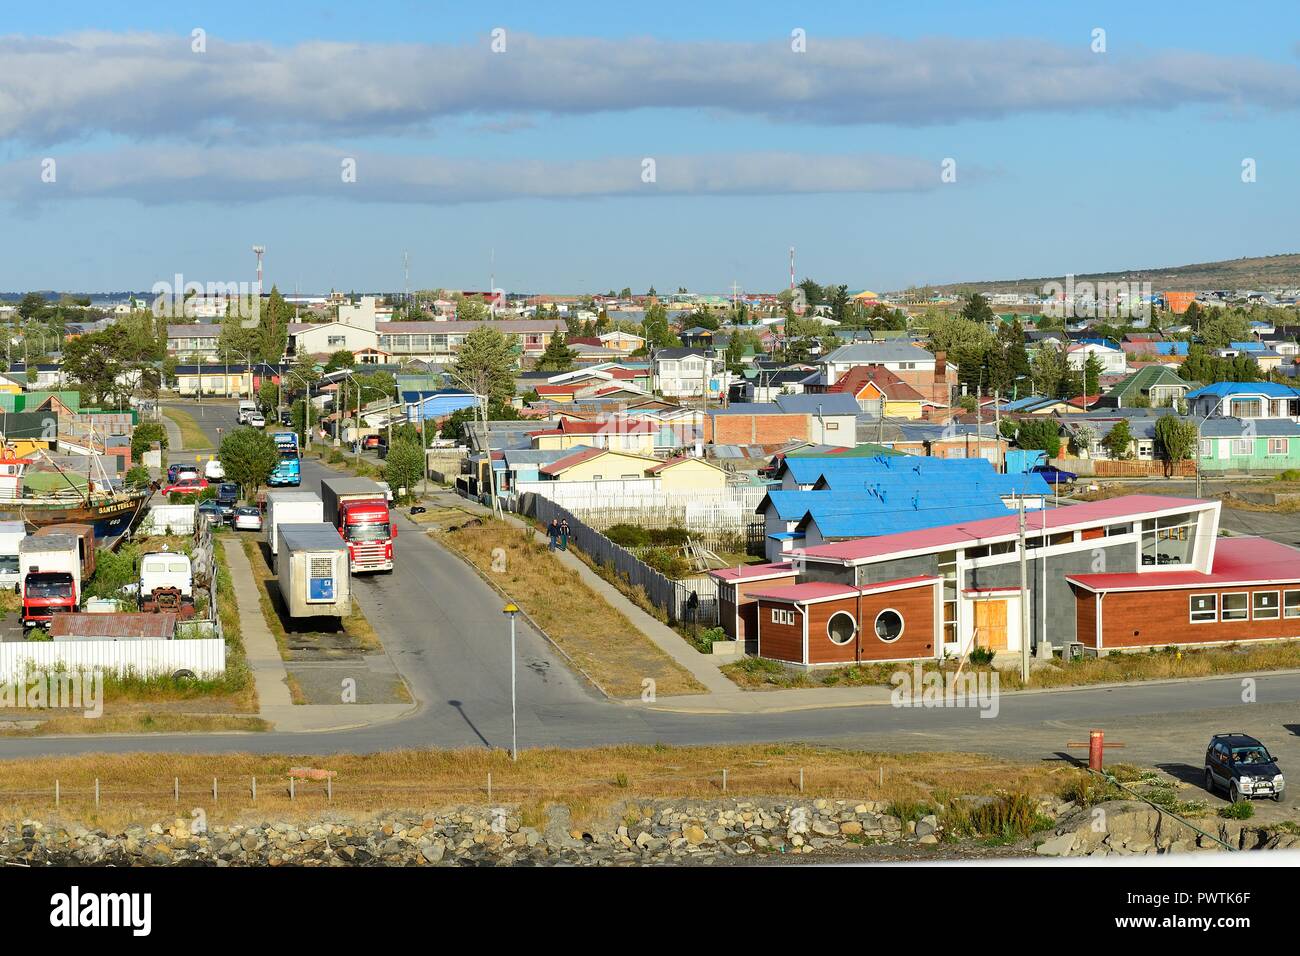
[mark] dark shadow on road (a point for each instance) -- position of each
(1292, 729)
(1184, 772)
(1064, 757)
(463, 716)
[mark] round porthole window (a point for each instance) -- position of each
(889, 625)
(841, 628)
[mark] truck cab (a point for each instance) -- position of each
(286, 473)
(46, 593)
(367, 528)
(166, 581)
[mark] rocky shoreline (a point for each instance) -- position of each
(724, 832)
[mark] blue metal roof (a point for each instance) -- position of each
(807, 471)
(875, 523)
(1271, 389)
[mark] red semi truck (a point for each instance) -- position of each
(358, 509)
(50, 566)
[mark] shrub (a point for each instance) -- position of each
(909, 809)
(1241, 810)
(981, 656)
(667, 562)
(137, 476)
(628, 535)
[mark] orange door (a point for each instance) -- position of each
(991, 625)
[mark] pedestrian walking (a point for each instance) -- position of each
(564, 534)
(553, 533)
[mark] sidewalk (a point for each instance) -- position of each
(702, 667)
(274, 702)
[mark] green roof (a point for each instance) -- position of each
(31, 401)
(1141, 382)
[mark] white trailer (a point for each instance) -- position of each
(312, 570)
(11, 535)
(290, 507)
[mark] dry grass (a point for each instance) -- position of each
(142, 721)
(296, 694)
(139, 787)
(597, 637)
(1161, 664)
(192, 436)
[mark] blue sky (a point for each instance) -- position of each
(170, 161)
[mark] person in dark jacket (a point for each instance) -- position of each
(564, 534)
(553, 533)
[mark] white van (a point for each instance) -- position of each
(213, 470)
(247, 409)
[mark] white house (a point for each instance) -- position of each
(689, 373)
(1113, 361)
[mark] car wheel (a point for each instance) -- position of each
(1209, 781)
(1277, 798)
(1234, 793)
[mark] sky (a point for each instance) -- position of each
(579, 147)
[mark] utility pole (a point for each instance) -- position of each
(1024, 597)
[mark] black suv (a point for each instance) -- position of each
(1242, 767)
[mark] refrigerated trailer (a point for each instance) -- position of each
(312, 570)
(290, 507)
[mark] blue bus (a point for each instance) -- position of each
(288, 472)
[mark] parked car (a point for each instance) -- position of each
(228, 498)
(186, 485)
(388, 491)
(257, 420)
(213, 470)
(176, 472)
(1242, 767)
(248, 519)
(212, 508)
(372, 441)
(286, 418)
(1053, 475)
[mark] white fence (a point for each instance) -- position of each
(642, 501)
(168, 519)
(145, 656)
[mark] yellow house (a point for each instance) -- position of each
(688, 474)
(875, 383)
(594, 464)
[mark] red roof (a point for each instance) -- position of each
(577, 458)
(753, 571)
(1236, 561)
(890, 385)
(811, 591)
(1083, 401)
(969, 533)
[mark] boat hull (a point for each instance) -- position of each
(110, 519)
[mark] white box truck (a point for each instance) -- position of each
(50, 566)
(11, 535)
(312, 570)
(290, 507)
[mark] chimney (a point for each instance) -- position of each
(940, 366)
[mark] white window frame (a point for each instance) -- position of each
(1223, 607)
(831, 636)
(901, 630)
(1276, 609)
(1283, 443)
(1243, 447)
(1192, 612)
(1291, 612)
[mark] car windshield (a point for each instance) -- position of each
(1250, 755)
(49, 585)
(229, 490)
(372, 531)
(247, 512)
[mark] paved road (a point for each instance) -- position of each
(443, 628)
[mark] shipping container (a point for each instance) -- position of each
(290, 507)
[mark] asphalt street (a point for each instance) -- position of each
(442, 625)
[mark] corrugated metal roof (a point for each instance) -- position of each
(123, 626)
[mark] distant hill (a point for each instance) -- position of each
(1255, 272)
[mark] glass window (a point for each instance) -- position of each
(841, 628)
(1243, 446)
(1265, 606)
(889, 625)
(1236, 607)
(1291, 603)
(1277, 446)
(1204, 607)
(1168, 540)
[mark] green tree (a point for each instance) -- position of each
(1040, 434)
(656, 330)
(145, 434)
(272, 337)
(343, 358)
(557, 357)
(1092, 370)
(1118, 439)
(485, 364)
(1175, 440)
(404, 466)
(976, 309)
(457, 425)
(268, 394)
(249, 456)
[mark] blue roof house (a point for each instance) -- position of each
(1246, 400)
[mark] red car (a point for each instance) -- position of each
(186, 486)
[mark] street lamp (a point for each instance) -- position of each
(510, 610)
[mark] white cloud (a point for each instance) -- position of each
(147, 86)
(167, 174)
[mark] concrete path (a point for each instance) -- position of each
(174, 441)
(702, 667)
(274, 702)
